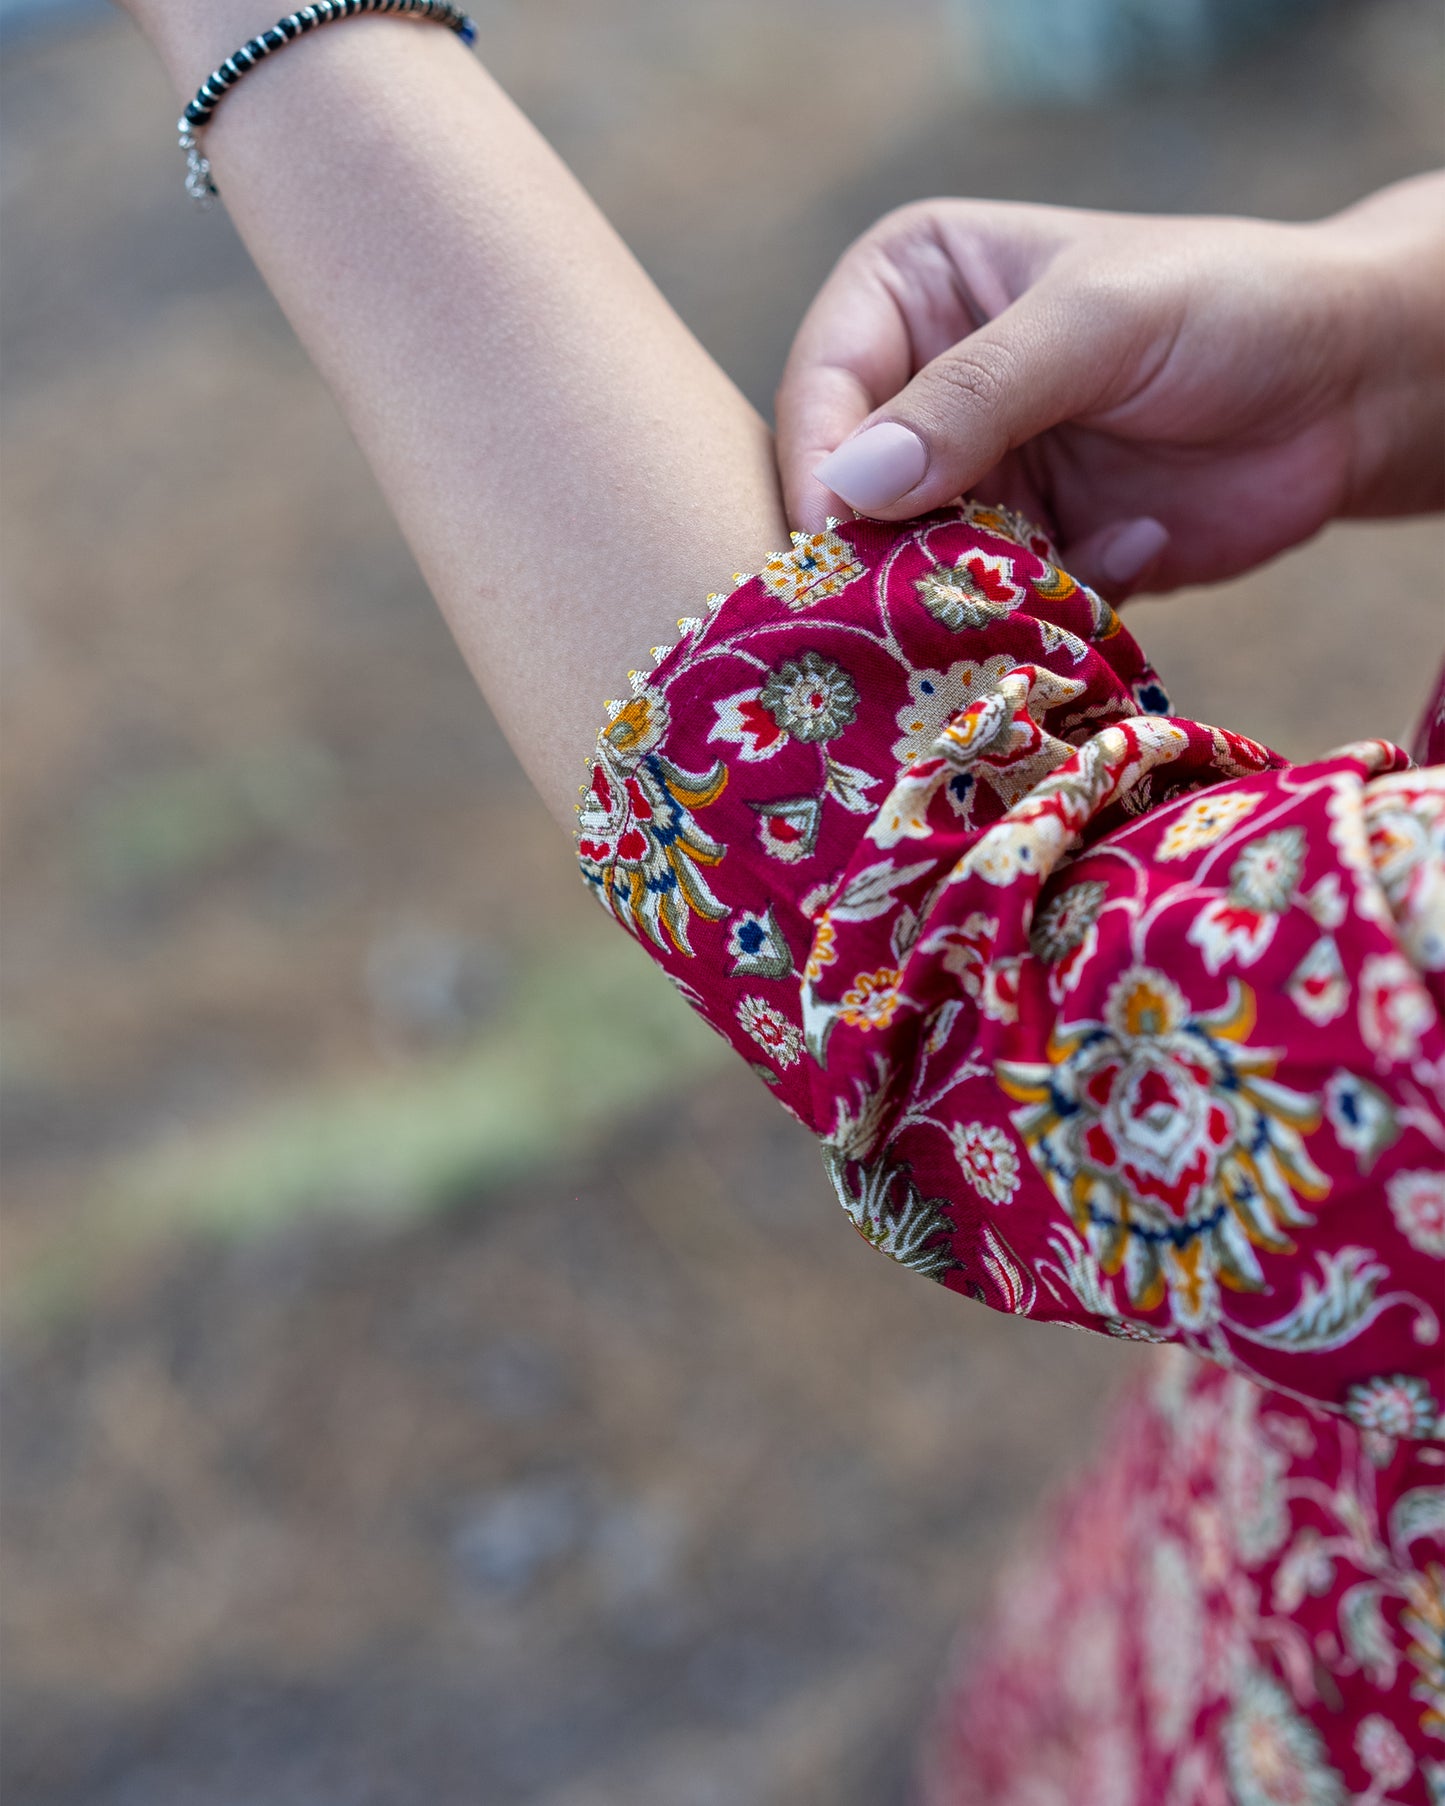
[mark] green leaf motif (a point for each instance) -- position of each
(1332, 1309)
(892, 1215)
(869, 893)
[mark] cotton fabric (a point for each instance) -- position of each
(1109, 1018)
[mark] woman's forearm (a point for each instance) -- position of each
(571, 469)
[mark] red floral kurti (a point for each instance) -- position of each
(1109, 1018)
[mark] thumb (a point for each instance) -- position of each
(1052, 356)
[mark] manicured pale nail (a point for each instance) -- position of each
(882, 463)
(1132, 550)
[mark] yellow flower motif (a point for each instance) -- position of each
(823, 951)
(1002, 521)
(638, 839)
(1207, 819)
(1007, 523)
(819, 565)
(636, 727)
(1166, 1136)
(873, 999)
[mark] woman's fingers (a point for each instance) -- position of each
(1057, 354)
(1119, 559)
(853, 349)
(819, 413)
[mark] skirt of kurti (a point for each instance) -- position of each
(1227, 1607)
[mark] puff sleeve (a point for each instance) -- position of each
(1101, 1016)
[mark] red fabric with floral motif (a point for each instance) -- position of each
(1108, 1018)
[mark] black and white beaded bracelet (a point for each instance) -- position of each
(217, 84)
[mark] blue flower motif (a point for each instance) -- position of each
(1152, 697)
(757, 947)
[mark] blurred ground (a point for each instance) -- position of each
(427, 1375)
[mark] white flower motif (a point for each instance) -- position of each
(1396, 1404)
(771, 1030)
(989, 1161)
(1228, 932)
(1067, 918)
(1264, 875)
(1206, 819)
(1417, 1202)
(935, 697)
(1405, 815)
(1240, 925)
(819, 565)
(744, 721)
(1395, 1007)
(1273, 1755)
(1384, 1752)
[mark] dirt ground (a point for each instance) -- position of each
(405, 1397)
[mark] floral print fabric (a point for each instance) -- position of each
(1236, 1604)
(1102, 1017)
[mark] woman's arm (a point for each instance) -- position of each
(570, 468)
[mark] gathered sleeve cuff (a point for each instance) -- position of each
(1101, 1016)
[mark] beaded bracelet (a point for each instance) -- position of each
(295, 25)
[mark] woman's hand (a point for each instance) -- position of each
(1175, 399)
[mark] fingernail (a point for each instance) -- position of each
(882, 463)
(1132, 550)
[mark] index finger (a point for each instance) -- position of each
(852, 351)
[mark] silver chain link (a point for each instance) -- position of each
(199, 185)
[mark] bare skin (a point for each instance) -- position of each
(573, 472)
